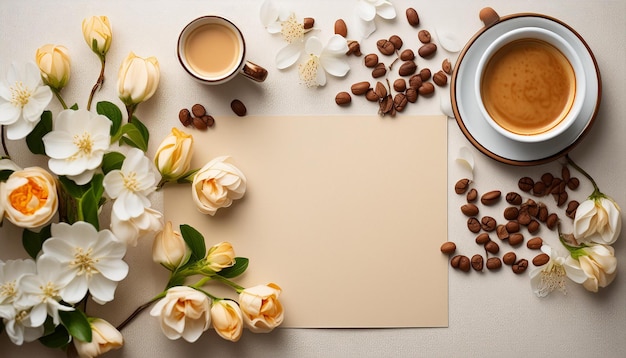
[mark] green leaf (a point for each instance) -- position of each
(112, 161)
(74, 107)
(59, 338)
(195, 241)
(89, 203)
(5, 174)
(133, 136)
(145, 133)
(32, 241)
(34, 138)
(77, 324)
(75, 190)
(240, 266)
(112, 112)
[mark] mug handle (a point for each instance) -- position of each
(254, 71)
(488, 16)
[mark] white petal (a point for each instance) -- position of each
(114, 270)
(59, 145)
(20, 129)
(448, 41)
(466, 159)
(31, 76)
(321, 77)
(446, 104)
(82, 178)
(102, 289)
(288, 55)
(365, 10)
(386, 11)
(37, 103)
(274, 28)
(9, 114)
(114, 183)
(269, 13)
(364, 28)
(75, 290)
(314, 46)
(334, 65)
(337, 45)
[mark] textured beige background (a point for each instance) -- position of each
(490, 314)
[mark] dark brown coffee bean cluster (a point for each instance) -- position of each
(549, 184)
(412, 81)
(197, 117)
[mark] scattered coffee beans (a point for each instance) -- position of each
(371, 60)
(238, 107)
(424, 36)
(198, 110)
(469, 209)
(488, 223)
(343, 98)
(534, 243)
(482, 238)
(477, 262)
(509, 258)
(491, 197)
(461, 186)
(494, 263)
(341, 28)
(448, 247)
(412, 17)
(541, 259)
(472, 195)
(427, 50)
(520, 266)
(185, 117)
(473, 225)
(360, 88)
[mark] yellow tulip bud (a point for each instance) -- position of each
(54, 63)
(138, 79)
(104, 338)
(173, 157)
(220, 256)
(169, 248)
(97, 33)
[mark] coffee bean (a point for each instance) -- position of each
(492, 247)
(534, 243)
(524, 217)
(482, 238)
(520, 266)
(572, 206)
(542, 214)
(472, 195)
(531, 206)
(379, 70)
(446, 66)
(425, 74)
(552, 221)
(547, 178)
(539, 189)
(341, 28)
(199, 123)
(502, 232)
(533, 226)
(541, 259)
(371, 60)
(448, 247)
(464, 263)
(512, 226)
(488, 223)
(511, 213)
(399, 85)
(411, 95)
(396, 41)
(185, 117)
(308, 23)
(380, 89)
(491, 197)
(424, 36)
(238, 107)
(354, 48)
(407, 55)
(198, 110)
(477, 262)
(554, 186)
(561, 199)
(455, 260)
(440, 78)
(494, 263)
(343, 98)
(509, 258)
(565, 173)
(428, 50)
(208, 120)
(386, 106)
(461, 185)
(426, 89)
(385, 47)
(469, 209)
(399, 102)
(573, 183)
(473, 225)
(407, 68)
(415, 81)
(526, 184)
(513, 198)
(412, 17)
(371, 95)
(360, 88)
(516, 239)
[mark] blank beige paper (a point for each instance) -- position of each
(345, 213)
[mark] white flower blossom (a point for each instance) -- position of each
(18, 324)
(366, 11)
(93, 258)
(130, 231)
(598, 219)
(545, 279)
(11, 272)
(322, 59)
(131, 185)
(278, 20)
(77, 144)
(23, 98)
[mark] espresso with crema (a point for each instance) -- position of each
(528, 86)
(213, 50)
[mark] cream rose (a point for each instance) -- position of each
(183, 312)
(30, 197)
(598, 219)
(217, 184)
(598, 263)
(220, 256)
(104, 338)
(137, 79)
(262, 311)
(54, 63)
(169, 248)
(227, 319)
(173, 157)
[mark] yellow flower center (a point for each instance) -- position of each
(291, 29)
(8, 289)
(308, 71)
(20, 316)
(49, 291)
(130, 181)
(84, 262)
(552, 277)
(29, 197)
(20, 94)
(84, 143)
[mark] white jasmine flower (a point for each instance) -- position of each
(278, 20)
(11, 272)
(322, 59)
(77, 144)
(130, 231)
(23, 98)
(545, 279)
(131, 185)
(366, 11)
(18, 325)
(92, 258)
(42, 291)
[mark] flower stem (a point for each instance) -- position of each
(57, 93)
(99, 82)
(583, 172)
(130, 109)
(229, 283)
(4, 144)
(139, 309)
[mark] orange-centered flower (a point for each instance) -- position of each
(29, 197)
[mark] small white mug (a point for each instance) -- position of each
(212, 50)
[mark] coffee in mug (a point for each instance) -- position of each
(212, 50)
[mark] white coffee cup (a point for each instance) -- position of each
(526, 90)
(212, 50)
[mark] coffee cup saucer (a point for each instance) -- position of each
(475, 126)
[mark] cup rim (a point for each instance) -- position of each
(197, 22)
(571, 55)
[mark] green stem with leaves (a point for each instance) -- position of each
(99, 81)
(230, 283)
(140, 309)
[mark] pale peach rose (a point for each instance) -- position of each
(183, 312)
(173, 157)
(30, 197)
(54, 63)
(217, 184)
(262, 311)
(104, 338)
(599, 264)
(227, 319)
(169, 248)
(220, 256)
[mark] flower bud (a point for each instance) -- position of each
(173, 157)
(220, 256)
(29, 197)
(262, 311)
(598, 219)
(97, 33)
(227, 319)
(54, 63)
(104, 337)
(137, 79)
(169, 248)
